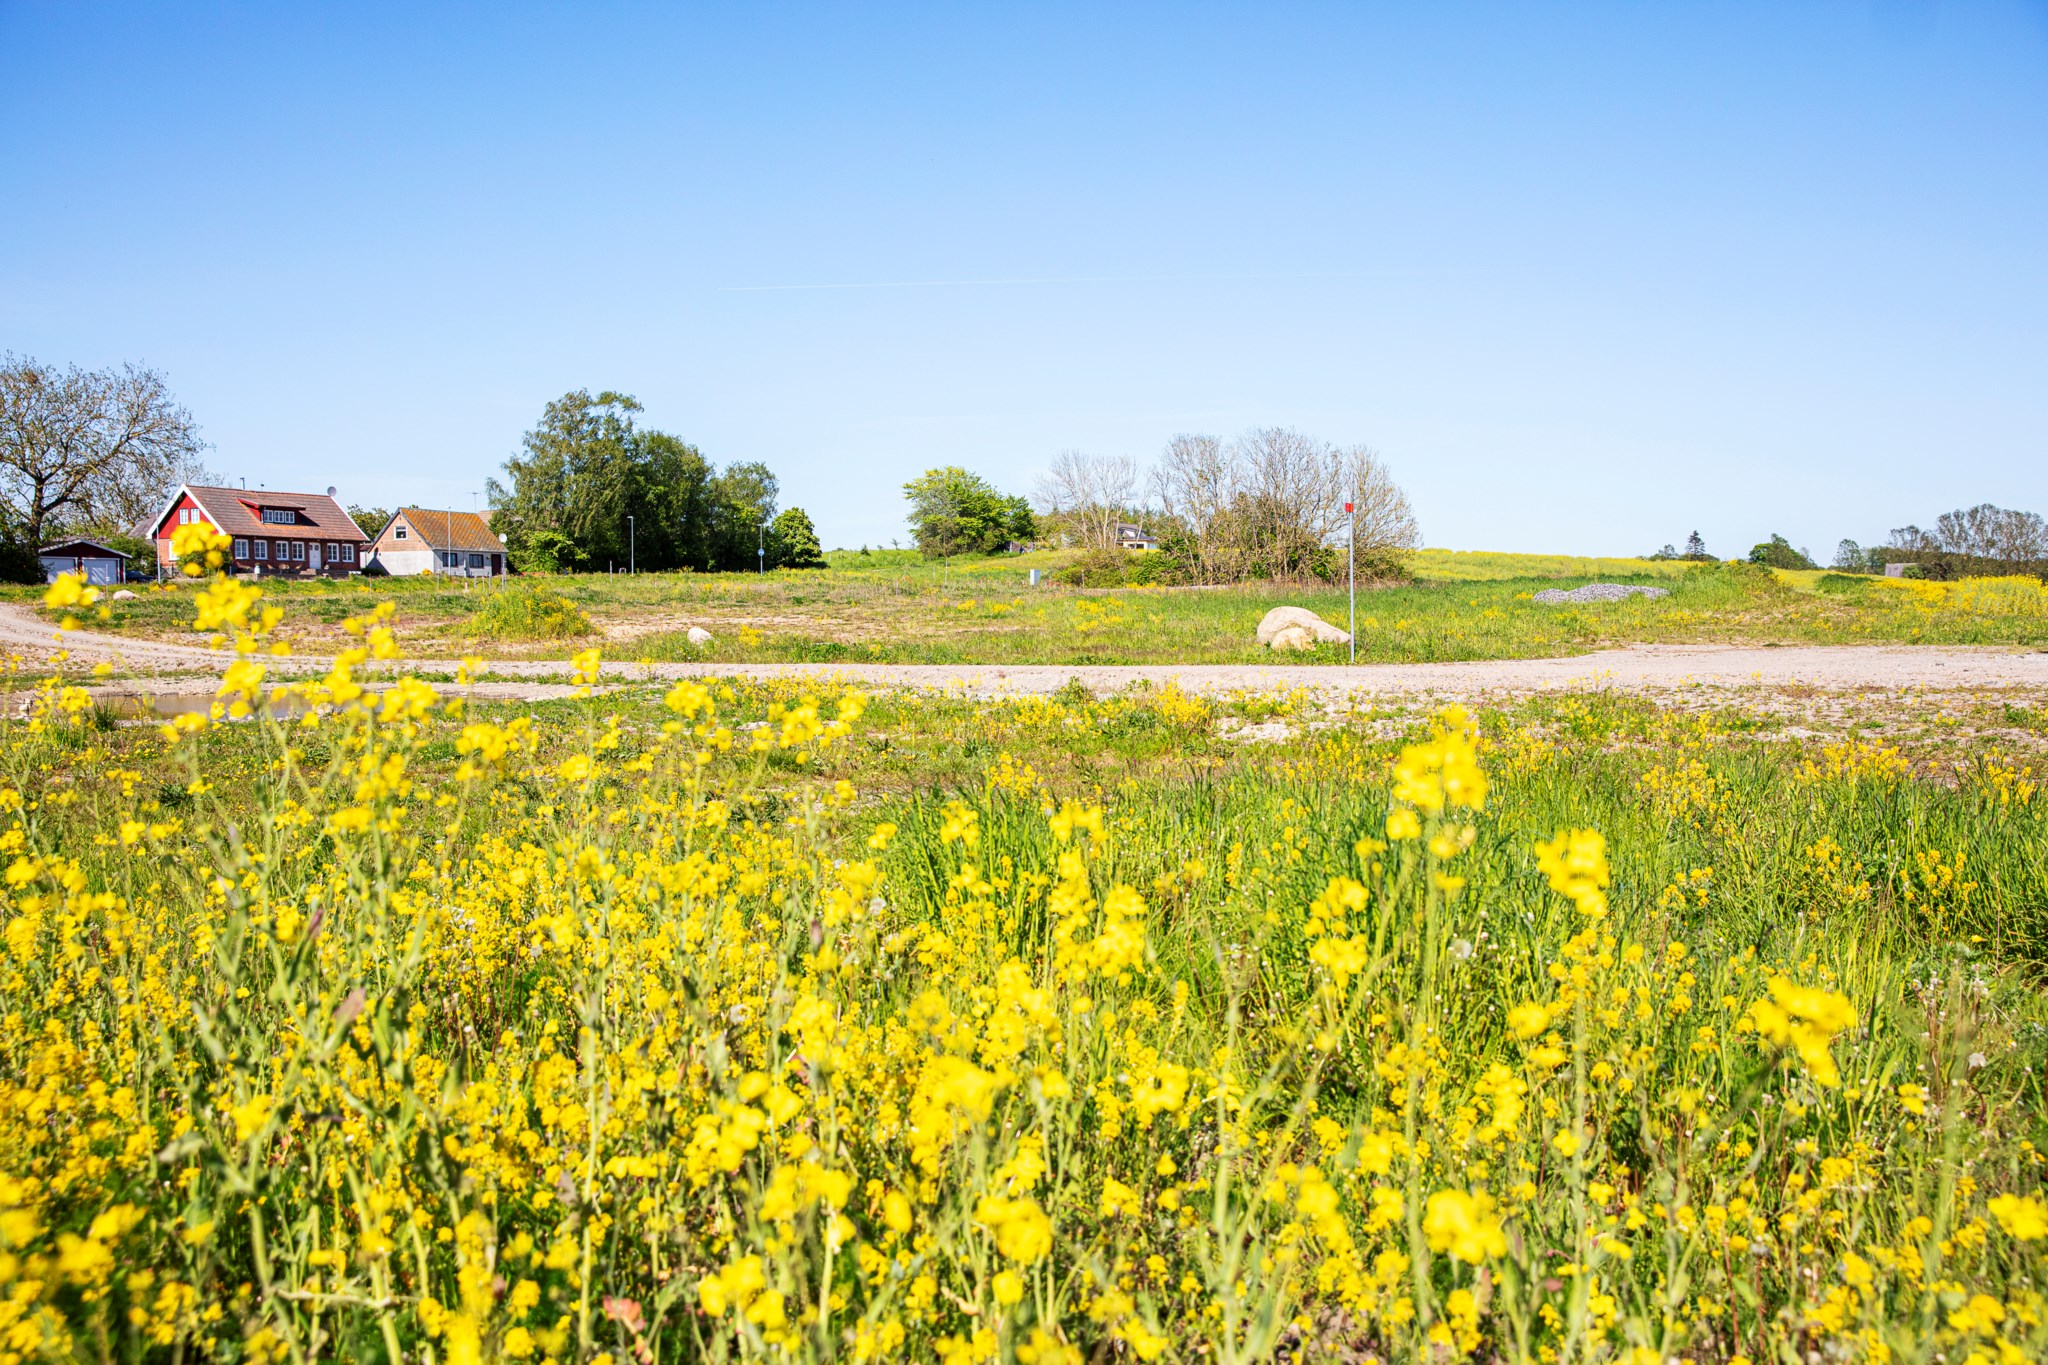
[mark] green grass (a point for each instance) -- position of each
(889, 607)
(686, 955)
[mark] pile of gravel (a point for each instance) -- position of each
(1597, 592)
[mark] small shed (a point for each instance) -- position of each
(99, 563)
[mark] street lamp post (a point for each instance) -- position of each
(632, 560)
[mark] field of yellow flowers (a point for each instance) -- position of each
(360, 1022)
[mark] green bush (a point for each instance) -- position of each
(1096, 569)
(526, 611)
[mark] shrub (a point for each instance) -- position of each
(526, 611)
(1096, 569)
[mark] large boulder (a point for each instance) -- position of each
(699, 635)
(1302, 629)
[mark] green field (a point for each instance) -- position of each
(890, 607)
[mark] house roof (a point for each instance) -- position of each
(73, 544)
(451, 530)
(239, 512)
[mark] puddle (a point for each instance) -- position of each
(164, 706)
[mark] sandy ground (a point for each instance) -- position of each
(1636, 668)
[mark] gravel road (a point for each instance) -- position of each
(1635, 668)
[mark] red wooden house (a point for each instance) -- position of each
(303, 535)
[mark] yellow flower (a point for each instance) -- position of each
(1402, 824)
(1023, 1232)
(1576, 864)
(2024, 1218)
(1528, 1020)
(1464, 1225)
(1805, 1018)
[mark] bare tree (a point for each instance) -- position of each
(1271, 502)
(1289, 497)
(1090, 494)
(1991, 532)
(1384, 520)
(94, 448)
(1196, 483)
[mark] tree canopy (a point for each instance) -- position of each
(793, 541)
(591, 487)
(953, 512)
(88, 450)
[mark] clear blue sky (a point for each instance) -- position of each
(1589, 277)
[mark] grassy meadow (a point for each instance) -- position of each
(742, 1023)
(891, 607)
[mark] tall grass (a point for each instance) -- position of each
(609, 1030)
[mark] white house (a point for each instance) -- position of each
(421, 540)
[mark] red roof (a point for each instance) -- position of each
(239, 512)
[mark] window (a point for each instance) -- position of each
(398, 533)
(259, 549)
(281, 516)
(476, 561)
(348, 553)
(241, 549)
(299, 550)
(184, 516)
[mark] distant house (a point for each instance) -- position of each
(1132, 537)
(301, 535)
(99, 563)
(421, 540)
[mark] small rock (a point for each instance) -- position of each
(124, 596)
(1597, 592)
(1314, 627)
(699, 635)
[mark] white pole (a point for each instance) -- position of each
(1351, 572)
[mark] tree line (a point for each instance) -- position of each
(592, 488)
(1268, 504)
(1968, 542)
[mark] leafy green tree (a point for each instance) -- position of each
(590, 488)
(671, 503)
(793, 541)
(574, 476)
(742, 501)
(370, 519)
(1777, 553)
(547, 551)
(954, 512)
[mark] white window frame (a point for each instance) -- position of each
(298, 552)
(348, 552)
(259, 549)
(241, 548)
(398, 533)
(281, 516)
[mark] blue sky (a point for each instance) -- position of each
(1589, 277)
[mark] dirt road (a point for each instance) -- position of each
(1636, 668)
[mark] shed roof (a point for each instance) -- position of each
(452, 530)
(72, 547)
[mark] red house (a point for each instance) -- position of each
(303, 535)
